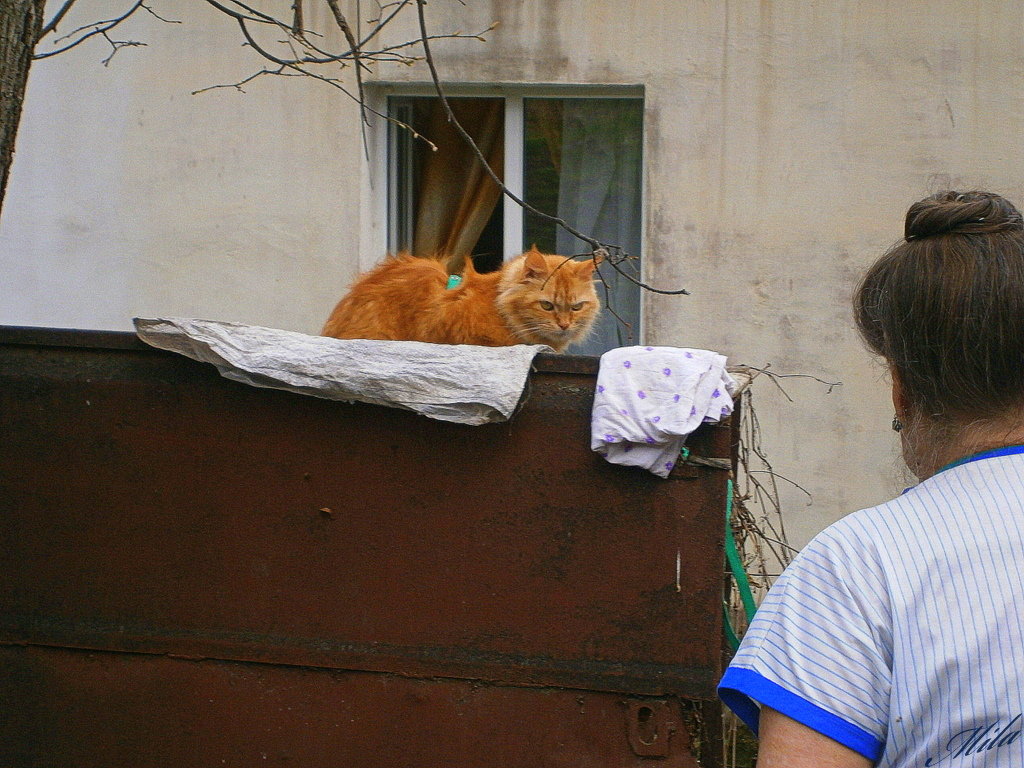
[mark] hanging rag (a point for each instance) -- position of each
(649, 399)
(460, 383)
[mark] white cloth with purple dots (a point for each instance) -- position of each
(649, 399)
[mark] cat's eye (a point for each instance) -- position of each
(577, 306)
(547, 306)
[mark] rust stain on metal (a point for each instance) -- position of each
(149, 506)
(95, 710)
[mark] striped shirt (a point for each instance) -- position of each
(899, 630)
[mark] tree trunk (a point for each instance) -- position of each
(20, 24)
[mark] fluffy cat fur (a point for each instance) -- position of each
(534, 298)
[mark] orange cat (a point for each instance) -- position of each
(533, 299)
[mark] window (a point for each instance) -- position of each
(576, 157)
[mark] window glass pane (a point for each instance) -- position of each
(401, 177)
(583, 163)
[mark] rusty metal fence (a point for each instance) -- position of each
(199, 573)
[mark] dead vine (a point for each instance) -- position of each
(758, 527)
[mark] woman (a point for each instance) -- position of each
(896, 637)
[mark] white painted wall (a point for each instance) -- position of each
(784, 142)
(129, 196)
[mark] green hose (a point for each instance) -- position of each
(732, 557)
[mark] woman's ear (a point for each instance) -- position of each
(899, 394)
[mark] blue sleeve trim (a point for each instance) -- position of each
(741, 688)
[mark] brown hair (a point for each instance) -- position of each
(945, 307)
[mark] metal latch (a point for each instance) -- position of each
(650, 725)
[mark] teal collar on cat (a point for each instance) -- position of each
(453, 281)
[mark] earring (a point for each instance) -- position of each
(897, 425)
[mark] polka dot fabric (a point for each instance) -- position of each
(648, 399)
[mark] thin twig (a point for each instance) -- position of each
(765, 370)
(346, 30)
(57, 18)
(98, 28)
(117, 45)
(156, 15)
(785, 479)
(266, 18)
(238, 86)
(594, 243)
(299, 72)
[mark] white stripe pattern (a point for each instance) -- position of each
(899, 630)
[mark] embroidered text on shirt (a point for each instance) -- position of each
(971, 741)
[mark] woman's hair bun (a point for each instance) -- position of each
(961, 213)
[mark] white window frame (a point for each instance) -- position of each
(380, 172)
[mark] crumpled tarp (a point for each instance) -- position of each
(459, 383)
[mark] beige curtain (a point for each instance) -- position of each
(456, 196)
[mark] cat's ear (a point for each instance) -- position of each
(586, 267)
(534, 265)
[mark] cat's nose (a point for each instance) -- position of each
(563, 324)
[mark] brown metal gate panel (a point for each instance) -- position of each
(98, 710)
(275, 549)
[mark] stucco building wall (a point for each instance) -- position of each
(783, 142)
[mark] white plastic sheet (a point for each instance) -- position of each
(459, 383)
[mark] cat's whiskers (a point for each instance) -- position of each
(546, 329)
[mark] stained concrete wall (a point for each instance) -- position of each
(130, 196)
(784, 140)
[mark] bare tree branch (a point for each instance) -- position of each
(57, 18)
(258, 48)
(256, 14)
(156, 15)
(95, 28)
(238, 86)
(346, 30)
(303, 54)
(294, 69)
(380, 24)
(616, 252)
(775, 376)
(117, 45)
